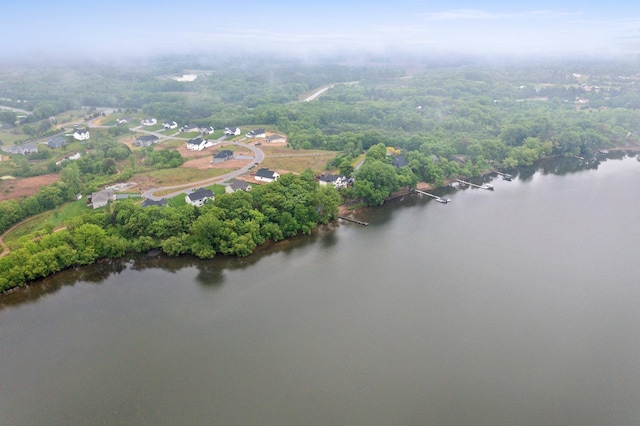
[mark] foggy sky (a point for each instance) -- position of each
(70, 29)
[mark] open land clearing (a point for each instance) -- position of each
(25, 187)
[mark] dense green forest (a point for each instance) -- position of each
(235, 224)
(446, 121)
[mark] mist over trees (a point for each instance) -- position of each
(447, 121)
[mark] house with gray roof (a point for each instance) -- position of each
(24, 149)
(266, 175)
(338, 181)
(148, 202)
(81, 134)
(199, 197)
(146, 140)
(223, 155)
(196, 144)
(274, 138)
(101, 198)
(232, 131)
(399, 161)
(57, 142)
(256, 133)
(237, 185)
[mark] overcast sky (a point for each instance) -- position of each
(68, 28)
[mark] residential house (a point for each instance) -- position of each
(199, 197)
(230, 131)
(237, 185)
(149, 122)
(146, 140)
(57, 142)
(274, 138)
(101, 198)
(148, 202)
(256, 133)
(81, 134)
(29, 148)
(189, 128)
(338, 181)
(223, 155)
(399, 161)
(266, 175)
(25, 149)
(197, 144)
(169, 125)
(206, 129)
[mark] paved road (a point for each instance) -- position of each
(21, 111)
(258, 157)
(318, 93)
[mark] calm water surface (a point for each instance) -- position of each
(513, 307)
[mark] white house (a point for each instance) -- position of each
(81, 134)
(168, 125)
(197, 144)
(266, 175)
(256, 133)
(338, 181)
(199, 197)
(149, 122)
(207, 129)
(231, 131)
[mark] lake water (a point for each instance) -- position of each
(513, 307)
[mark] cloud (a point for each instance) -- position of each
(474, 14)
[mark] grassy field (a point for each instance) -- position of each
(169, 143)
(297, 161)
(170, 177)
(53, 219)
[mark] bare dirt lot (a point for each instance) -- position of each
(24, 187)
(207, 163)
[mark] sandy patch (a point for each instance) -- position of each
(16, 188)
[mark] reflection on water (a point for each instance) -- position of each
(211, 273)
(506, 307)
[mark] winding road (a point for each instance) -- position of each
(258, 157)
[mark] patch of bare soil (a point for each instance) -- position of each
(187, 153)
(25, 187)
(207, 163)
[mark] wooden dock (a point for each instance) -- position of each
(438, 199)
(485, 186)
(505, 176)
(359, 222)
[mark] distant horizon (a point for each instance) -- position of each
(69, 30)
